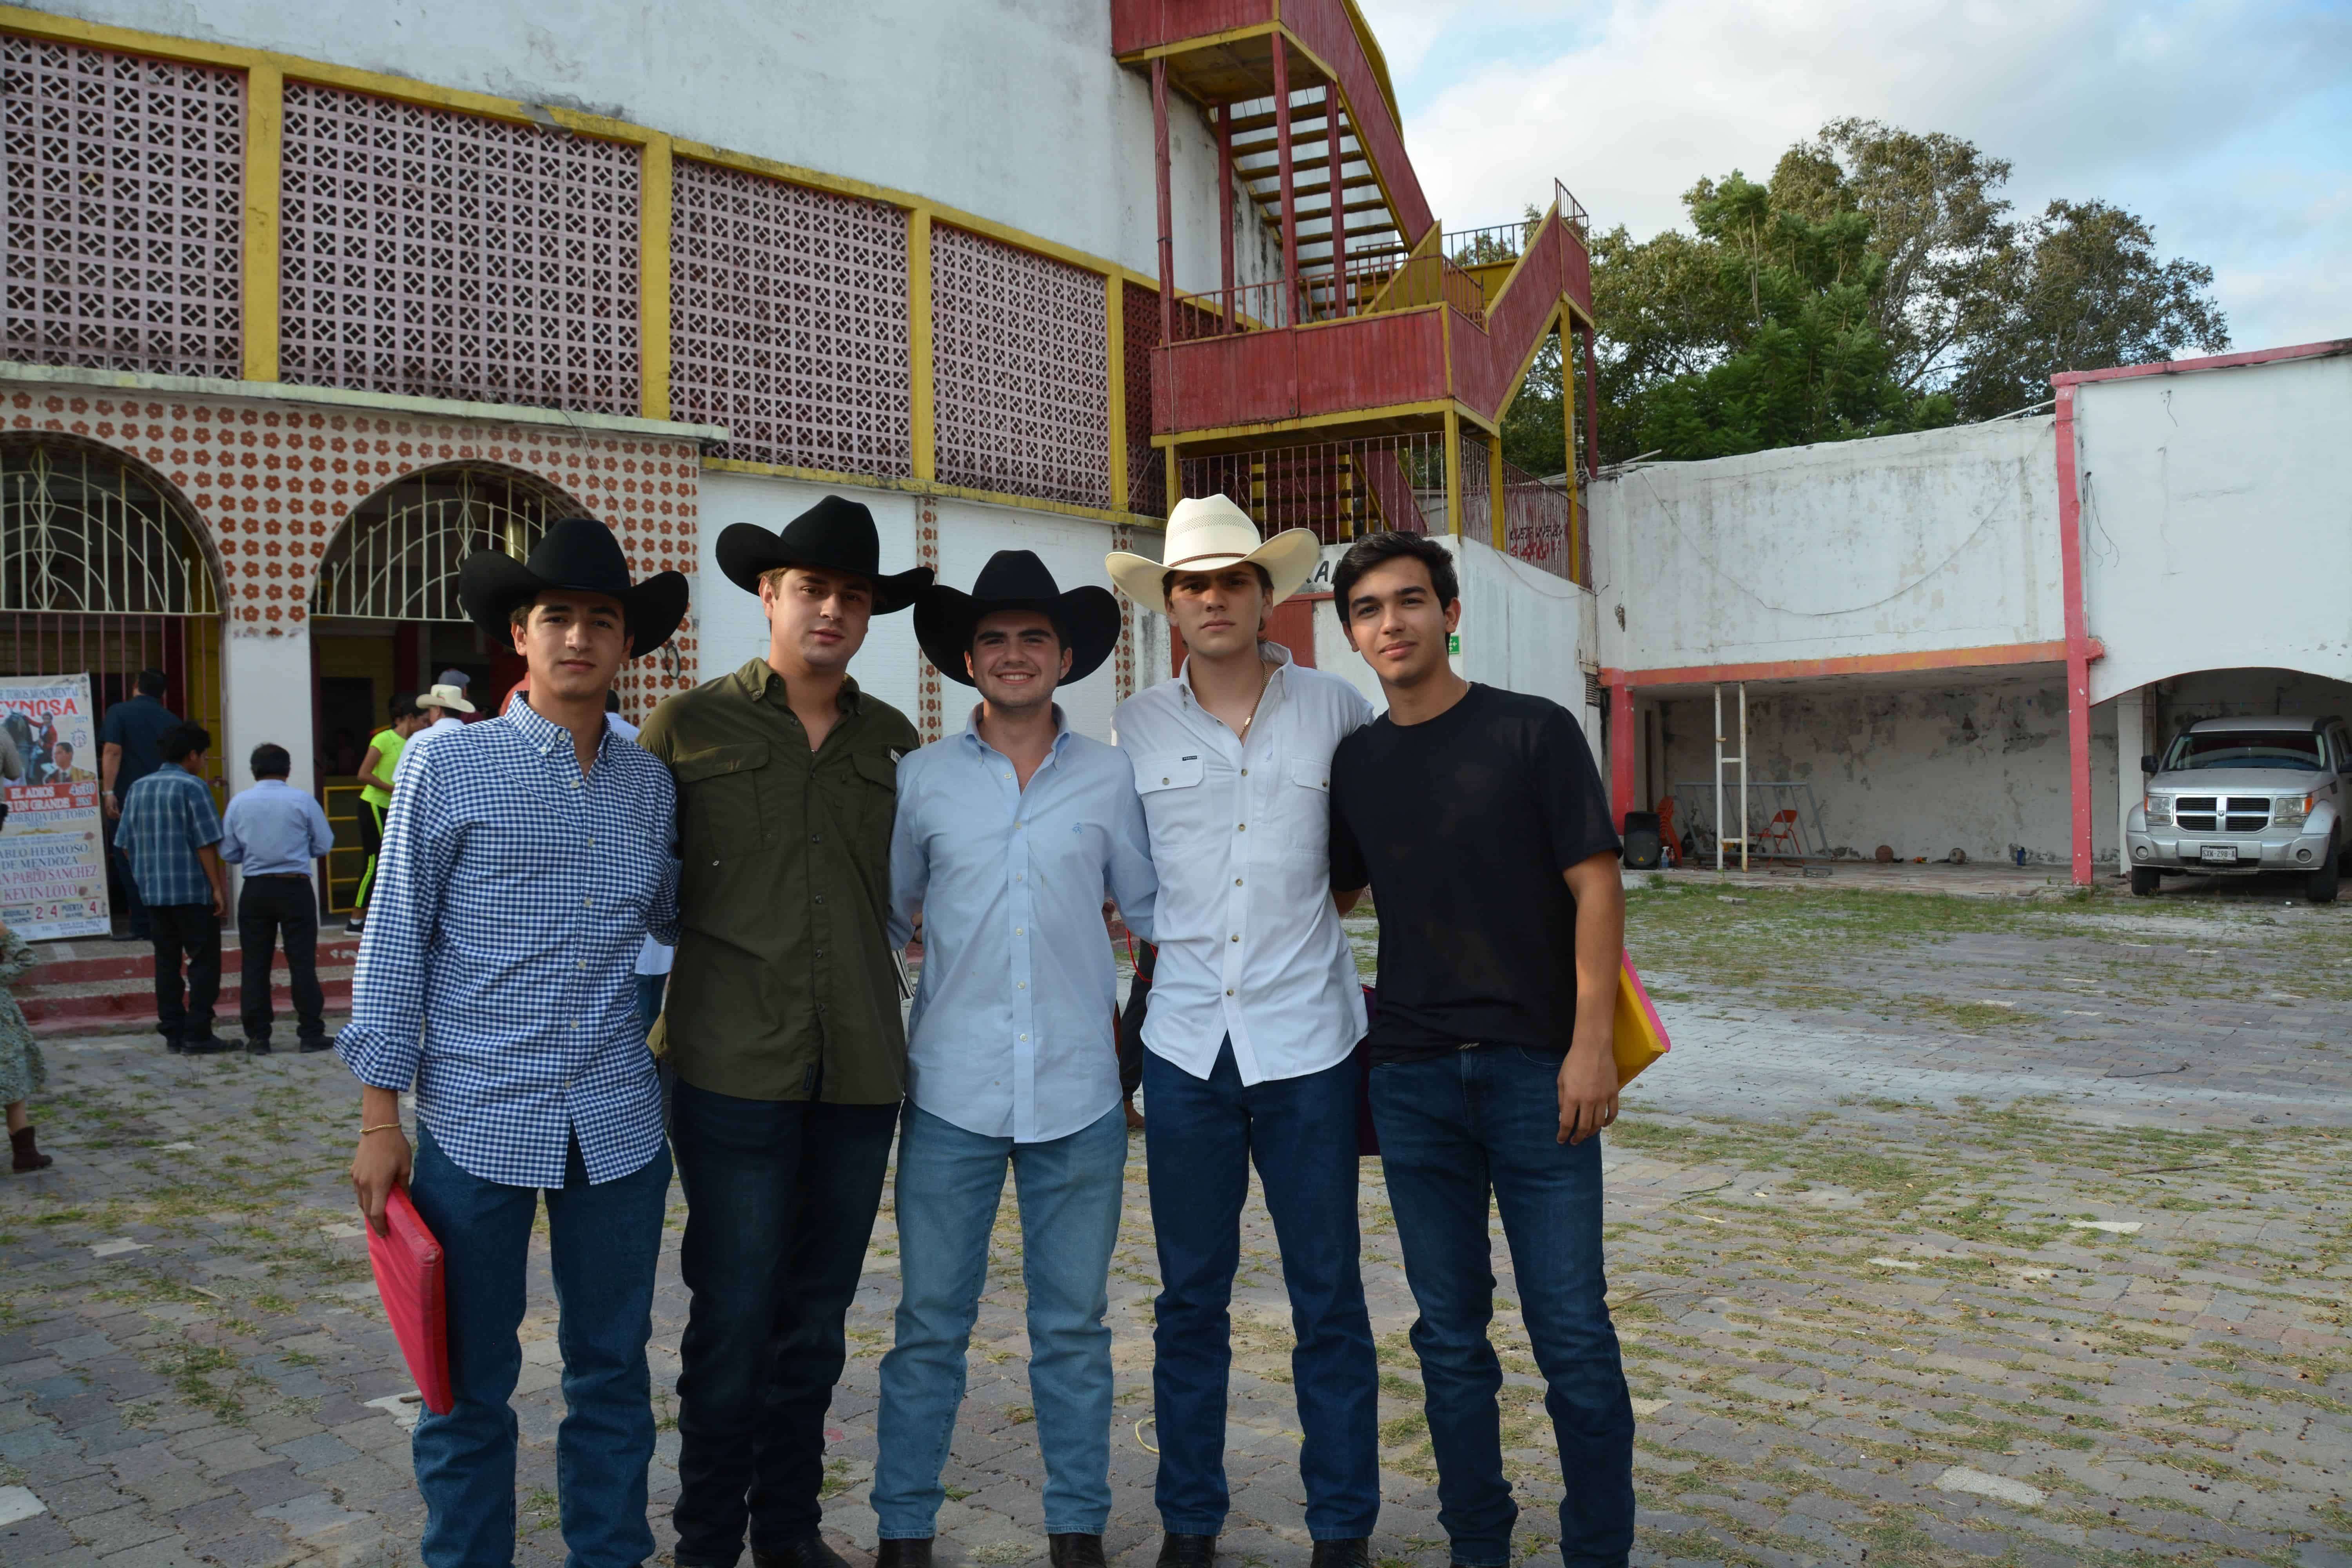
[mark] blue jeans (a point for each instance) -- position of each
(781, 1196)
(1451, 1130)
(948, 1185)
(603, 1242)
(650, 989)
(1200, 1138)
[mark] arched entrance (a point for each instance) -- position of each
(104, 571)
(385, 620)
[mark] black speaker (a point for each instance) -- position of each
(1643, 849)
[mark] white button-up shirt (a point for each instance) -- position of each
(1012, 1032)
(1250, 946)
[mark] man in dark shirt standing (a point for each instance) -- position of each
(782, 1023)
(127, 752)
(1479, 821)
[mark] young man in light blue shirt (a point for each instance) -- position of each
(1009, 837)
(276, 832)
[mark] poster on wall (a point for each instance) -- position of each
(52, 846)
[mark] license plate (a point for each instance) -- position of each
(2219, 853)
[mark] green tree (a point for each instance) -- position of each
(2084, 288)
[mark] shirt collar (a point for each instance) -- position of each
(758, 678)
(1061, 730)
(543, 733)
(1273, 653)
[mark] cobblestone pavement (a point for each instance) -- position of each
(1951, 1230)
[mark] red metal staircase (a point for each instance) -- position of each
(1314, 397)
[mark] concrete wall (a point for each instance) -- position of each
(1943, 539)
(890, 665)
(1923, 769)
(1523, 629)
(1012, 110)
(2217, 522)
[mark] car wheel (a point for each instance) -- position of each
(2320, 886)
(2145, 880)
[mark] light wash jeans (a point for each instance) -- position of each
(948, 1186)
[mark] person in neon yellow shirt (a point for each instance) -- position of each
(375, 791)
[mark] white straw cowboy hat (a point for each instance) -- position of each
(453, 698)
(1209, 533)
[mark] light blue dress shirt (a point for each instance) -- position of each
(1013, 1034)
(274, 828)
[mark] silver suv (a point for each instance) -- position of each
(2233, 797)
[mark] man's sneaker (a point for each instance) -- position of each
(1190, 1551)
(318, 1045)
(1355, 1553)
(211, 1044)
(1071, 1550)
(915, 1551)
(254, 1048)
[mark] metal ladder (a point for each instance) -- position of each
(1722, 762)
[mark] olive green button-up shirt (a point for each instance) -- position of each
(784, 986)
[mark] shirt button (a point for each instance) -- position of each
(1245, 772)
(1236, 936)
(587, 903)
(1022, 985)
(1229, 991)
(1242, 828)
(1163, 779)
(1024, 1036)
(1237, 882)
(820, 897)
(816, 838)
(1018, 932)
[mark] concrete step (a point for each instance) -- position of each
(100, 987)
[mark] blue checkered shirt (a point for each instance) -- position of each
(497, 971)
(166, 818)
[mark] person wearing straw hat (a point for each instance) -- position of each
(782, 1020)
(1254, 1015)
(1009, 837)
(438, 707)
(524, 860)
(1479, 821)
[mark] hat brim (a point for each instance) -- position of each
(1290, 558)
(490, 584)
(945, 618)
(746, 553)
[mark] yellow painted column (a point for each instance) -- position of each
(1115, 343)
(265, 151)
(1568, 451)
(1494, 491)
(918, 343)
(652, 276)
(1175, 479)
(1453, 471)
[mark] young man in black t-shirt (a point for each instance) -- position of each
(1478, 819)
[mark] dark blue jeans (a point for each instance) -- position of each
(603, 1242)
(781, 1198)
(1452, 1129)
(1200, 1138)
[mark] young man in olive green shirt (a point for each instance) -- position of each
(782, 1023)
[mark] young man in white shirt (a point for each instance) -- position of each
(1250, 1037)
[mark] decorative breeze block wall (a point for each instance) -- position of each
(449, 255)
(123, 184)
(1020, 346)
(272, 484)
(788, 322)
(1146, 471)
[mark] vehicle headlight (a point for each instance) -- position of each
(2293, 811)
(2160, 811)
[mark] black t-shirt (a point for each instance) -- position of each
(1462, 826)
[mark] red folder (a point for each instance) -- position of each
(408, 1277)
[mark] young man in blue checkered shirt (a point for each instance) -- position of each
(525, 859)
(169, 834)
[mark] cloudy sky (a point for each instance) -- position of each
(2229, 127)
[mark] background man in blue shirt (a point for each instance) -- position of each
(1008, 839)
(127, 752)
(275, 831)
(168, 833)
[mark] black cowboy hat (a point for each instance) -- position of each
(577, 553)
(835, 534)
(1087, 619)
